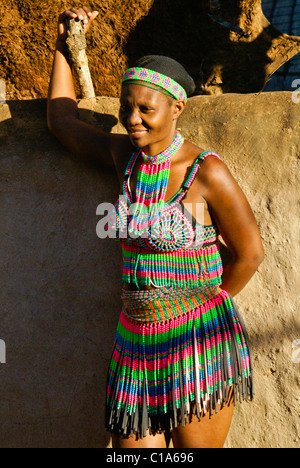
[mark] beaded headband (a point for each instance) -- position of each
(144, 75)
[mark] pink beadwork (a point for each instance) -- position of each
(157, 79)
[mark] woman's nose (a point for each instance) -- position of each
(134, 118)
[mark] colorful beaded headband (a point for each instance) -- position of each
(158, 79)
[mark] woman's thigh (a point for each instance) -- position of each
(207, 433)
(157, 441)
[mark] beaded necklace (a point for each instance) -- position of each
(151, 187)
(167, 154)
(153, 176)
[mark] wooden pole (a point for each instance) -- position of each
(76, 43)
(2, 92)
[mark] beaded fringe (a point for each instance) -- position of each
(162, 373)
(180, 269)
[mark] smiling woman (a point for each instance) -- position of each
(145, 114)
(181, 356)
(149, 114)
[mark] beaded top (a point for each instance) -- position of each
(162, 244)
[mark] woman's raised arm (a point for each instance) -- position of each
(80, 138)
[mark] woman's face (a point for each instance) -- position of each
(149, 116)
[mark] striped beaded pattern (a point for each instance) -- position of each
(183, 268)
(166, 155)
(143, 307)
(164, 369)
(158, 79)
(154, 174)
(181, 348)
(163, 248)
(151, 187)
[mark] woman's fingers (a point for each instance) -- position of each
(81, 14)
(93, 14)
(84, 14)
(67, 14)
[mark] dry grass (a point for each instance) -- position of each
(27, 38)
(219, 59)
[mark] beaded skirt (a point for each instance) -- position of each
(176, 353)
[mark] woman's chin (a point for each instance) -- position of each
(138, 138)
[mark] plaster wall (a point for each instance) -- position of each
(60, 293)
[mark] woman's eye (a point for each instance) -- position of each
(146, 109)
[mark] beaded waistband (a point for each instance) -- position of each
(159, 305)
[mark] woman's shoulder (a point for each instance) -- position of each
(195, 153)
(214, 173)
(213, 169)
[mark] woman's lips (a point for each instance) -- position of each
(137, 133)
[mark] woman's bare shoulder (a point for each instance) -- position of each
(191, 151)
(214, 175)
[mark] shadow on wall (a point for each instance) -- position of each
(240, 67)
(61, 300)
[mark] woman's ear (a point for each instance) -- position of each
(179, 107)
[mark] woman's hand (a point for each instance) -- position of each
(83, 14)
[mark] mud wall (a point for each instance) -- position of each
(61, 284)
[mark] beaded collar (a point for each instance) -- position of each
(165, 155)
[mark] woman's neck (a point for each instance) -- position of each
(159, 146)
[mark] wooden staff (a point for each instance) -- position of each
(76, 43)
(2, 92)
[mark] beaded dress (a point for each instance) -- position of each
(181, 345)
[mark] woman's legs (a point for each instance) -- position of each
(207, 433)
(157, 441)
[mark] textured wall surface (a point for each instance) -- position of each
(61, 284)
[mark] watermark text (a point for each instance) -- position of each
(158, 222)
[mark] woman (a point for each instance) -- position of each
(181, 357)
